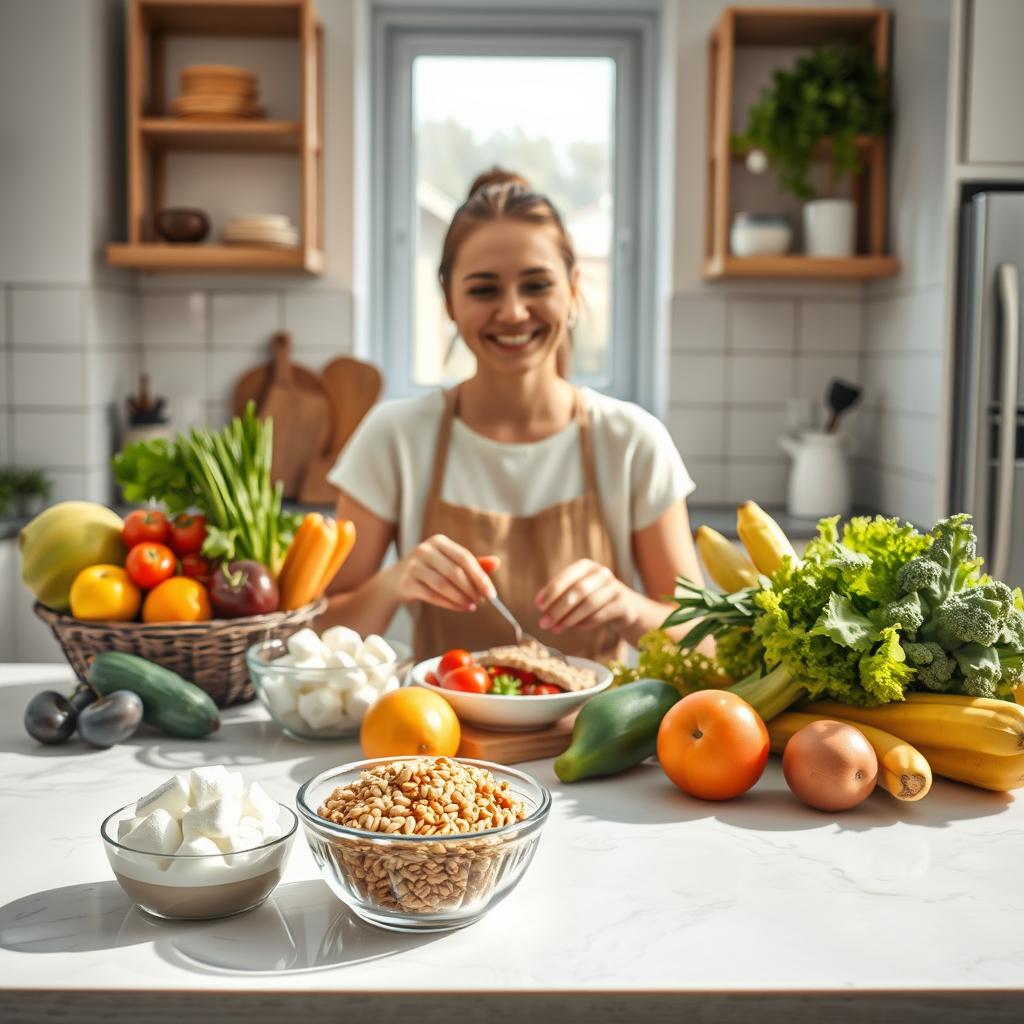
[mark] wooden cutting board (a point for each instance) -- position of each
(354, 387)
(513, 747)
(300, 408)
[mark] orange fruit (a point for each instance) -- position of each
(104, 593)
(407, 721)
(179, 599)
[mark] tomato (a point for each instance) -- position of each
(178, 599)
(145, 524)
(104, 593)
(713, 745)
(150, 564)
(454, 659)
(195, 567)
(489, 563)
(187, 533)
(539, 689)
(469, 678)
(407, 721)
(431, 678)
(524, 677)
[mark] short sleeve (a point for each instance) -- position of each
(659, 478)
(368, 467)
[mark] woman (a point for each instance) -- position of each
(573, 493)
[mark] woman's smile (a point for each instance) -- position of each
(514, 340)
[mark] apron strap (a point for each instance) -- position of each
(444, 436)
(586, 447)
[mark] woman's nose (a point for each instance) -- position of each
(513, 308)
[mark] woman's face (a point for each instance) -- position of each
(511, 295)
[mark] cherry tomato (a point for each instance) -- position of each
(525, 678)
(432, 679)
(197, 568)
(470, 678)
(149, 564)
(187, 533)
(145, 525)
(539, 689)
(489, 563)
(452, 660)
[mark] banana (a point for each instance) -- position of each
(986, 771)
(959, 700)
(763, 538)
(997, 731)
(726, 564)
(902, 770)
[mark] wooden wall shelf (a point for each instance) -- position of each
(790, 28)
(151, 134)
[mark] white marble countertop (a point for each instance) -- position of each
(640, 901)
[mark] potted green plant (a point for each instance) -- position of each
(833, 95)
(7, 478)
(32, 489)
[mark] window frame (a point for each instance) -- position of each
(399, 36)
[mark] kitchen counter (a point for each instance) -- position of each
(640, 904)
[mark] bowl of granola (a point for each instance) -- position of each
(421, 844)
(512, 688)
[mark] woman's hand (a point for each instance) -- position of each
(587, 595)
(442, 573)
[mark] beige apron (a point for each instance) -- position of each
(531, 548)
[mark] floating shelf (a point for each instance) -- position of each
(229, 135)
(853, 268)
(226, 258)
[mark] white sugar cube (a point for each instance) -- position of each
(342, 640)
(380, 675)
(216, 818)
(171, 796)
(375, 651)
(321, 708)
(242, 838)
(306, 644)
(124, 826)
(279, 695)
(343, 659)
(358, 701)
(347, 679)
(198, 846)
(391, 684)
(269, 829)
(213, 782)
(156, 833)
(259, 804)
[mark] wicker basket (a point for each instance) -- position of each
(210, 654)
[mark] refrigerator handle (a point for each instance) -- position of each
(1008, 285)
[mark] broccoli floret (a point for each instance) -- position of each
(906, 612)
(920, 574)
(1012, 632)
(934, 667)
(972, 616)
(981, 670)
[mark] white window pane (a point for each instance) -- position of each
(550, 120)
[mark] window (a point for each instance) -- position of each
(561, 100)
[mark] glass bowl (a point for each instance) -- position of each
(198, 886)
(458, 878)
(345, 694)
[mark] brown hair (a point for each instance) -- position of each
(495, 194)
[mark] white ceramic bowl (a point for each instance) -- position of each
(513, 713)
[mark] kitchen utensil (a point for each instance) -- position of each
(514, 713)
(370, 871)
(354, 387)
(819, 480)
(839, 397)
(182, 224)
(521, 635)
(301, 414)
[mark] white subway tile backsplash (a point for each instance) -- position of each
(178, 374)
(698, 432)
(45, 378)
(319, 321)
(909, 381)
(47, 318)
(698, 323)
(5, 435)
(174, 319)
(814, 374)
(33, 639)
(754, 378)
(218, 414)
(225, 369)
(52, 439)
(762, 325)
(245, 320)
(906, 322)
(764, 481)
(101, 436)
(830, 327)
(111, 376)
(754, 432)
(696, 378)
(3, 318)
(114, 319)
(709, 476)
(911, 497)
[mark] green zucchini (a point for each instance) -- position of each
(170, 703)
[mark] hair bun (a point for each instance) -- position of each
(495, 177)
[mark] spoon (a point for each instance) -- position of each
(839, 397)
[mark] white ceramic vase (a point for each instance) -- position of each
(819, 480)
(829, 227)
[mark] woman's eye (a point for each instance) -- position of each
(482, 291)
(538, 286)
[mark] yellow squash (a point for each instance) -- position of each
(727, 566)
(764, 539)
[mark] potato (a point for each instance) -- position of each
(830, 765)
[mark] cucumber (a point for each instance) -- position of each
(170, 703)
(616, 730)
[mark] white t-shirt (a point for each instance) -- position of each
(387, 464)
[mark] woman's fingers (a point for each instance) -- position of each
(467, 570)
(561, 582)
(582, 591)
(436, 583)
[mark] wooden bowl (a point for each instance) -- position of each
(182, 224)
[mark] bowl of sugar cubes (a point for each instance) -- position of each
(320, 687)
(203, 844)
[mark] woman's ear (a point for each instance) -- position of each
(574, 285)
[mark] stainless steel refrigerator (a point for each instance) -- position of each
(988, 453)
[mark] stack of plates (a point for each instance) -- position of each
(270, 229)
(216, 91)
